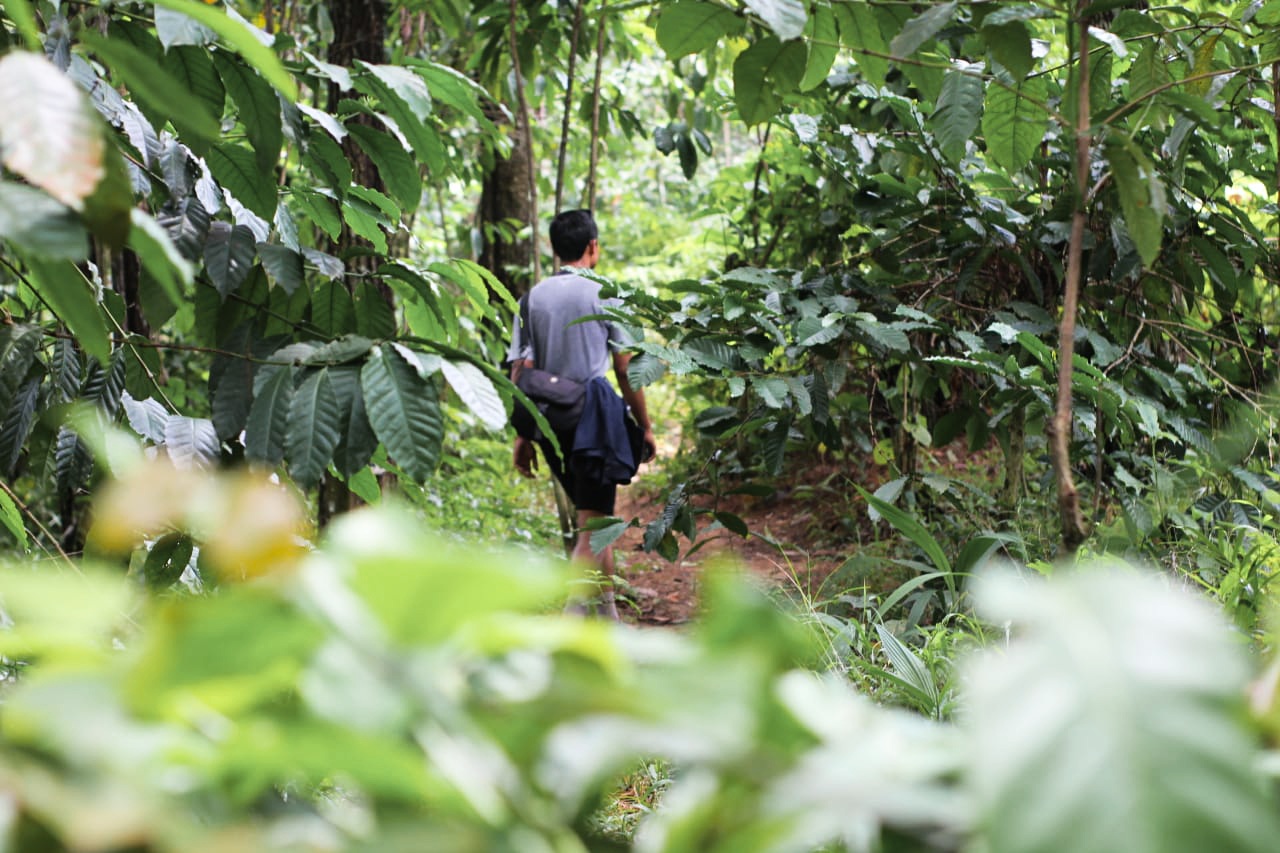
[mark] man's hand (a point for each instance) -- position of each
(525, 457)
(650, 446)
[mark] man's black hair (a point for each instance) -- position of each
(571, 232)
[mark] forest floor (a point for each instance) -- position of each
(813, 538)
(799, 537)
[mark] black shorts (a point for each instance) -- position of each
(586, 493)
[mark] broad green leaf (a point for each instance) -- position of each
(326, 158)
(476, 390)
(358, 442)
(860, 32)
(921, 29)
(159, 256)
(187, 223)
(404, 411)
(374, 316)
(11, 518)
(785, 17)
(772, 389)
(763, 73)
(18, 348)
(192, 68)
(269, 416)
(243, 38)
(37, 223)
(605, 535)
(1114, 719)
(236, 169)
(315, 421)
(147, 418)
(691, 26)
(959, 110)
(15, 425)
(366, 220)
(1010, 44)
(319, 209)
(191, 442)
(645, 369)
(824, 43)
(174, 28)
(64, 288)
(403, 95)
(258, 107)
(332, 311)
(159, 94)
(396, 168)
(325, 120)
(1014, 122)
(910, 528)
(20, 12)
(1149, 71)
(167, 560)
(228, 256)
(1141, 198)
(908, 666)
(283, 265)
(50, 134)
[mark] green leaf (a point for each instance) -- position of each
(174, 28)
(259, 109)
(366, 220)
(404, 411)
(283, 265)
(50, 135)
(396, 168)
(823, 40)
(320, 210)
(192, 68)
(907, 665)
(1149, 71)
(358, 442)
(159, 255)
(1141, 198)
(269, 416)
(147, 418)
(191, 442)
(315, 420)
(374, 315)
(241, 37)
(20, 12)
(326, 158)
(860, 32)
(689, 26)
(167, 560)
(959, 110)
(921, 29)
(332, 311)
(11, 518)
(763, 73)
(1014, 122)
(785, 17)
(606, 531)
(1010, 44)
(15, 426)
(228, 256)
(236, 169)
(1113, 719)
(645, 369)
(733, 523)
(910, 528)
(36, 223)
(71, 297)
(155, 89)
(476, 390)
(403, 95)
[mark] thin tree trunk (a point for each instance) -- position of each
(523, 105)
(595, 112)
(1073, 528)
(568, 104)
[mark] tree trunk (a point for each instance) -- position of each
(1073, 529)
(505, 196)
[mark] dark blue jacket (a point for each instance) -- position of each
(602, 445)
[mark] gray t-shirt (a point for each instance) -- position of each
(554, 342)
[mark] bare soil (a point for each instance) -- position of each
(798, 537)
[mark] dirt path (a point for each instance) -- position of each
(798, 539)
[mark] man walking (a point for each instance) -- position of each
(550, 338)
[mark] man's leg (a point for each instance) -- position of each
(585, 558)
